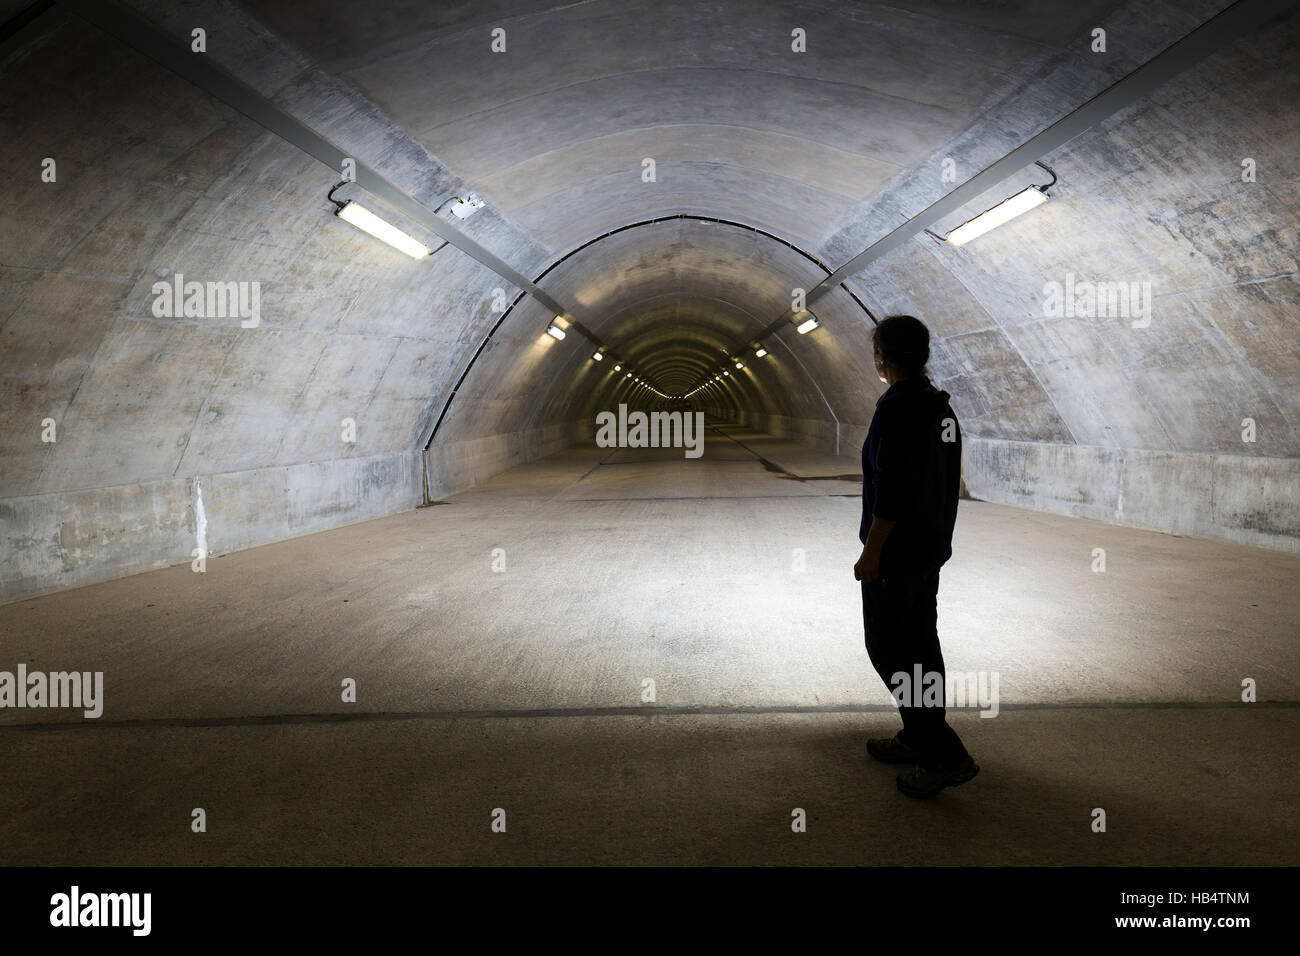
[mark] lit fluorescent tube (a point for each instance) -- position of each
(599, 357)
(808, 324)
(367, 221)
(739, 365)
(618, 368)
(761, 352)
(555, 331)
(1008, 209)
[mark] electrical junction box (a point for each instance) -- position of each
(464, 208)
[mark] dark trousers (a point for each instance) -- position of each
(900, 614)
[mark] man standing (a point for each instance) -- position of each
(911, 470)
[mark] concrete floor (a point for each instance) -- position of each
(522, 689)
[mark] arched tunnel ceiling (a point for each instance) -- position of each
(554, 130)
(806, 146)
(674, 301)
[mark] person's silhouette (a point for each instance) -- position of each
(911, 473)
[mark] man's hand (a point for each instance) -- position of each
(867, 567)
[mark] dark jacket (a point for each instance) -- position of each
(911, 475)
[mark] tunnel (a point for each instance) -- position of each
(433, 433)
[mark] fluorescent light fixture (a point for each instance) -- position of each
(618, 368)
(1023, 201)
(628, 375)
(760, 352)
(365, 220)
(808, 324)
(599, 356)
(555, 331)
(739, 365)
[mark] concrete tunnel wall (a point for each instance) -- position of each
(157, 178)
(1085, 416)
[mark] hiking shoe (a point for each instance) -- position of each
(921, 783)
(891, 750)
